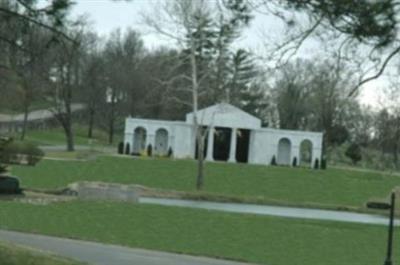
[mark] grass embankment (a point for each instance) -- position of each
(258, 239)
(293, 186)
(13, 255)
(56, 136)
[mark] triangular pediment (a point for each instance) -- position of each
(225, 115)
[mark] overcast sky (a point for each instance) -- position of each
(106, 15)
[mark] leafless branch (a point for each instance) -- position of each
(36, 22)
(178, 100)
(291, 46)
(378, 74)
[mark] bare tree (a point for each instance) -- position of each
(191, 25)
(31, 68)
(388, 122)
(65, 77)
(362, 31)
(178, 20)
(94, 81)
(123, 54)
(291, 90)
(312, 95)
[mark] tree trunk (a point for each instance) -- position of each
(25, 123)
(200, 160)
(395, 154)
(66, 124)
(70, 139)
(90, 124)
(111, 132)
(396, 144)
(111, 126)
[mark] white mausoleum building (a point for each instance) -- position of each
(233, 136)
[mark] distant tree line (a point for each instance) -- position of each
(50, 60)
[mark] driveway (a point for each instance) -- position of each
(103, 254)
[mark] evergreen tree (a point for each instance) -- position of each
(354, 153)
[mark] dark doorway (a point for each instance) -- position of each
(205, 146)
(242, 148)
(222, 141)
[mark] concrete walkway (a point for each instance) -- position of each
(288, 212)
(102, 254)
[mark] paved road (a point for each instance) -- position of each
(288, 212)
(102, 254)
(42, 114)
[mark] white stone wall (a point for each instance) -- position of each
(264, 145)
(184, 141)
(179, 135)
(263, 142)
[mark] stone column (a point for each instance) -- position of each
(210, 145)
(150, 139)
(232, 149)
(295, 153)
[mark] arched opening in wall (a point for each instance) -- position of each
(161, 142)
(222, 141)
(205, 144)
(284, 150)
(242, 145)
(306, 153)
(139, 140)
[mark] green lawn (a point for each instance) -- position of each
(13, 255)
(333, 187)
(258, 239)
(56, 136)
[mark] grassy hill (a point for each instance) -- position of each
(56, 136)
(246, 237)
(332, 188)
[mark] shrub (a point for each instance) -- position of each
(323, 163)
(16, 152)
(354, 153)
(121, 148)
(127, 149)
(273, 161)
(33, 153)
(12, 153)
(170, 152)
(9, 185)
(294, 163)
(316, 164)
(3, 168)
(149, 150)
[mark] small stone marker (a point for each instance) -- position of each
(105, 191)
